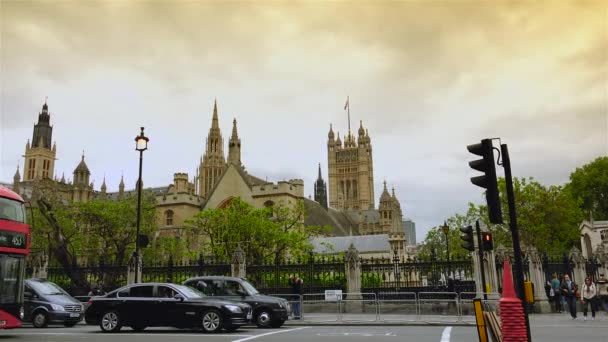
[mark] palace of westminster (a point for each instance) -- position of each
(349, 210)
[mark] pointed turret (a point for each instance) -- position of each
(234, 146)
(338, 141)
(62, 177)
(81, 173)
(16, 180)
(215, 121)
(385, 197)
(214, 161)
(321, 190)
(104, 188)
(121, 187)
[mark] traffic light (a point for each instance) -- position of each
(487, 241)
(488, 180)
(467, 237)
(143, 241)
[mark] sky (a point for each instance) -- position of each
(426, 78)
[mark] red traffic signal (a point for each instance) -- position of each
(487, 241)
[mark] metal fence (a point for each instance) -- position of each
(318, 273)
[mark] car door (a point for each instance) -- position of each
(29, 302)
(138, 308)
(170, 310)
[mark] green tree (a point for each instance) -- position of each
(589, 184)
(264, 234)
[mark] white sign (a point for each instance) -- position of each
(333, 295)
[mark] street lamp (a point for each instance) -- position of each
(446, 229)
(141, 144)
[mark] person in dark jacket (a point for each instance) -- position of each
(296, 289)
(569, 290)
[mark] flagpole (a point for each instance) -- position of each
(348, 107)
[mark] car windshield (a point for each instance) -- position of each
(189, 292)
(250, 288)
(46, 288)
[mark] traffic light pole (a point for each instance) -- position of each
(519, 275)
(483, 273)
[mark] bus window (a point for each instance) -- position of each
(11, 210)
(11, 279)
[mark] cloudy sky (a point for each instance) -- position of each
(426, 77)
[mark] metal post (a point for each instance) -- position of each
(447, 246)
(481, 266)
(518, 276)
(137, 256)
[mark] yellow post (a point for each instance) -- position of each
(481, 323)
(488, 288)
(529, 292)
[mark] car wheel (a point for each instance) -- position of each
(110, 322)
(277, 323)
(69, 324)
(138, 327)
(212, 321)
(263, 318)
(40, 319)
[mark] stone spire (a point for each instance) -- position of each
(214, 162)
(234, 146)
(103, 185)
(16, 180)
(121, 187)
(321, 190)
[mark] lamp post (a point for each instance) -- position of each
(141, 144)
(446, 229)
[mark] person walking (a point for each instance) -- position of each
(296, 290)
(557, 296)
(568, 290)
(588, 298)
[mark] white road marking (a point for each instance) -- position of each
(445, 337)
(266, 334)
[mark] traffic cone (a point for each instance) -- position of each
(511, 310)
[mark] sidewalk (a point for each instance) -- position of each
(324, 319)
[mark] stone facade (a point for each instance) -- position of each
(594, 234)
(351, 188)
(351, 171)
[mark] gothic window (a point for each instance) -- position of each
(348, 191)
(355, 192)
(268, 204)
(341, 190)
(169, 217)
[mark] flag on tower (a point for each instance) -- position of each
(346, 104)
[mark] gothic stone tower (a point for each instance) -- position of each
(351, 171)
(213, 162)
(40, 157)
(321, 190)
(234, 146)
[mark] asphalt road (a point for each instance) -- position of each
(550, 328)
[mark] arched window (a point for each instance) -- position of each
(169, 217)
(269, 204)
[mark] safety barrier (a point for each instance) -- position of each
(388, 307)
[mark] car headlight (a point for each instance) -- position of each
(56, 307)
(233, 308)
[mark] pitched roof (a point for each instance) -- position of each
(340, 223)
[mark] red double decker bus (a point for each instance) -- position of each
(14, 246)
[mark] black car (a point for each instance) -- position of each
(267, 311)
(45, 302)
(161, 304)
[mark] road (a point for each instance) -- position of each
(550, 328)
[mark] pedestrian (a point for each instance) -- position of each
(569, 290)
(296, 289)
(588, 298)
(557, 297)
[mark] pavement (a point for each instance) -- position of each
(547, 327)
